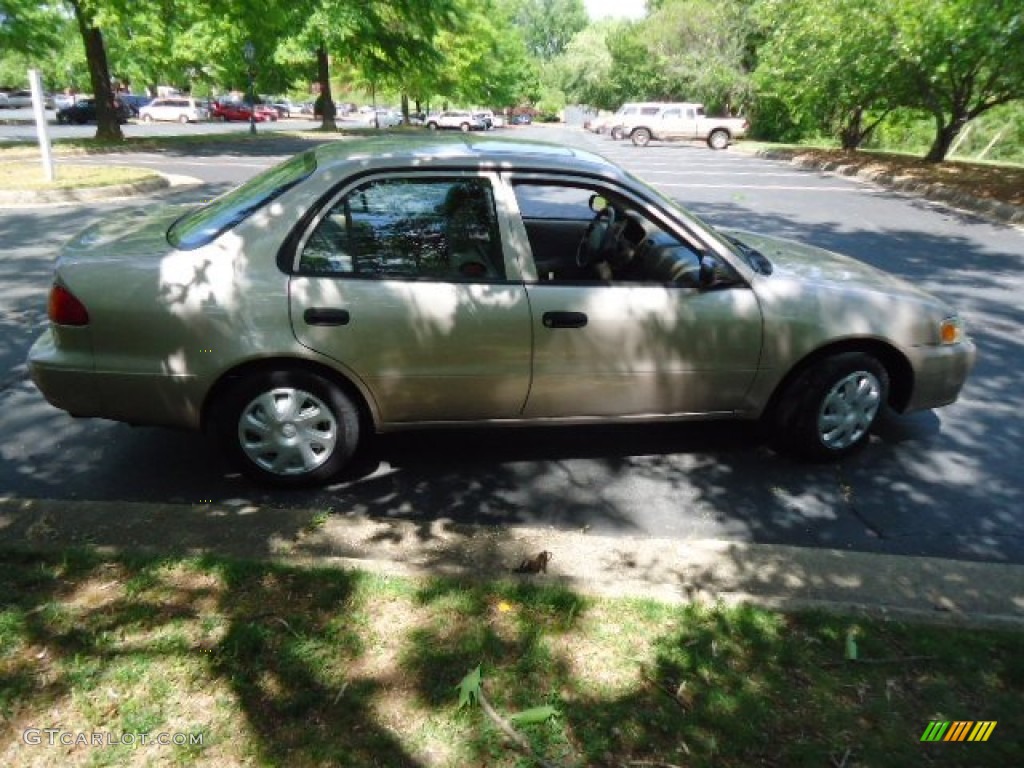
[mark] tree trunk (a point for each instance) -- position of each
(405, 108)
(323, 73)
(945, 134)
(108, 126)
(850, 133)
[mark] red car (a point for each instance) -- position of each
(237, 110)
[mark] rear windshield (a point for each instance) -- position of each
(201, 225)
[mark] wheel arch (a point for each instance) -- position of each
(897, 366)
(367, 414)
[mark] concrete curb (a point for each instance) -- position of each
(30, 197)
(993, 209)
(675, 571)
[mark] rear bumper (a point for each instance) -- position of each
(67, 381)
(70, 382)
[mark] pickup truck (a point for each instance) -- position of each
(686, 122)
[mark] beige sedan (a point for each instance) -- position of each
(405, 282)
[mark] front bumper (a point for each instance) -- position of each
(940, 373)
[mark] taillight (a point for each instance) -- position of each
(64, 308)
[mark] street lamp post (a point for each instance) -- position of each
(250, 55)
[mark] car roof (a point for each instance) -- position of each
(464, 152)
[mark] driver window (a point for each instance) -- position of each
(575, 240)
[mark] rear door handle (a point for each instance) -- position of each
(325, 316)
(564, 319)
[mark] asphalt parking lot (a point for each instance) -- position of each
(941, 484)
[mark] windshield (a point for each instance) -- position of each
(201, 225)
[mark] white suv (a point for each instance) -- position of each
(464, 121)
(179, 108)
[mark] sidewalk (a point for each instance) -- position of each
(778, 577)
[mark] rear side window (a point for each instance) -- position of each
(201, 225)
(431, 229)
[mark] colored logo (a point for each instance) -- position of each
(958, 730)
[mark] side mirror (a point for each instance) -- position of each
(714, 273)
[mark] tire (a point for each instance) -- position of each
(718, 139)
(148, 118)
(464, 127)
(432, 126)
(617, 132)
(183, 119)
(641, 137)
(288, 429)
(827, 412)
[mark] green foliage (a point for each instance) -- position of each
(469, 687)
(548, 26)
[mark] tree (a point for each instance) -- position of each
(29, 33)
(108, 127)
(831, 62)
(701, 46)
(548, 26)
(584, 70)
(961, 59)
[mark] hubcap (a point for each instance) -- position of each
(849, 409)
(287, 431)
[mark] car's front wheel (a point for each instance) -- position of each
(827, 412)
(432, 126)
(147, 118)
(616, 133)
(183, 119)
(641, 137)
(288, 428)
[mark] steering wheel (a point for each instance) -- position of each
(599, 239)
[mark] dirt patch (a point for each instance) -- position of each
(1000, 183)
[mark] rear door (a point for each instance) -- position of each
(405, 282)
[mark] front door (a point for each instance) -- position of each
(635, 334)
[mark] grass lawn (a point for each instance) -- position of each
(19, 175)
(276, 665)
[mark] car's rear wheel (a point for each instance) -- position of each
(464, 127)
(288, 428)
(828, 411)
(718, 139)
(147, 118)
(432, 126)
(183, 119)
(641, 137)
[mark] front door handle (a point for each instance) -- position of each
(564, 319)
(325, 316)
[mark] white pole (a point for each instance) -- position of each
(39, 108)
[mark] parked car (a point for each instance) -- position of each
(622, 122)
(134, 102)
(285, 107)
(84, 111)
(62, 100)
(179, 109)
(455, 119)
(486, 117)
(684, 122)
(16, 99)
(358, 287)
(383, 118)
(239, 110)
